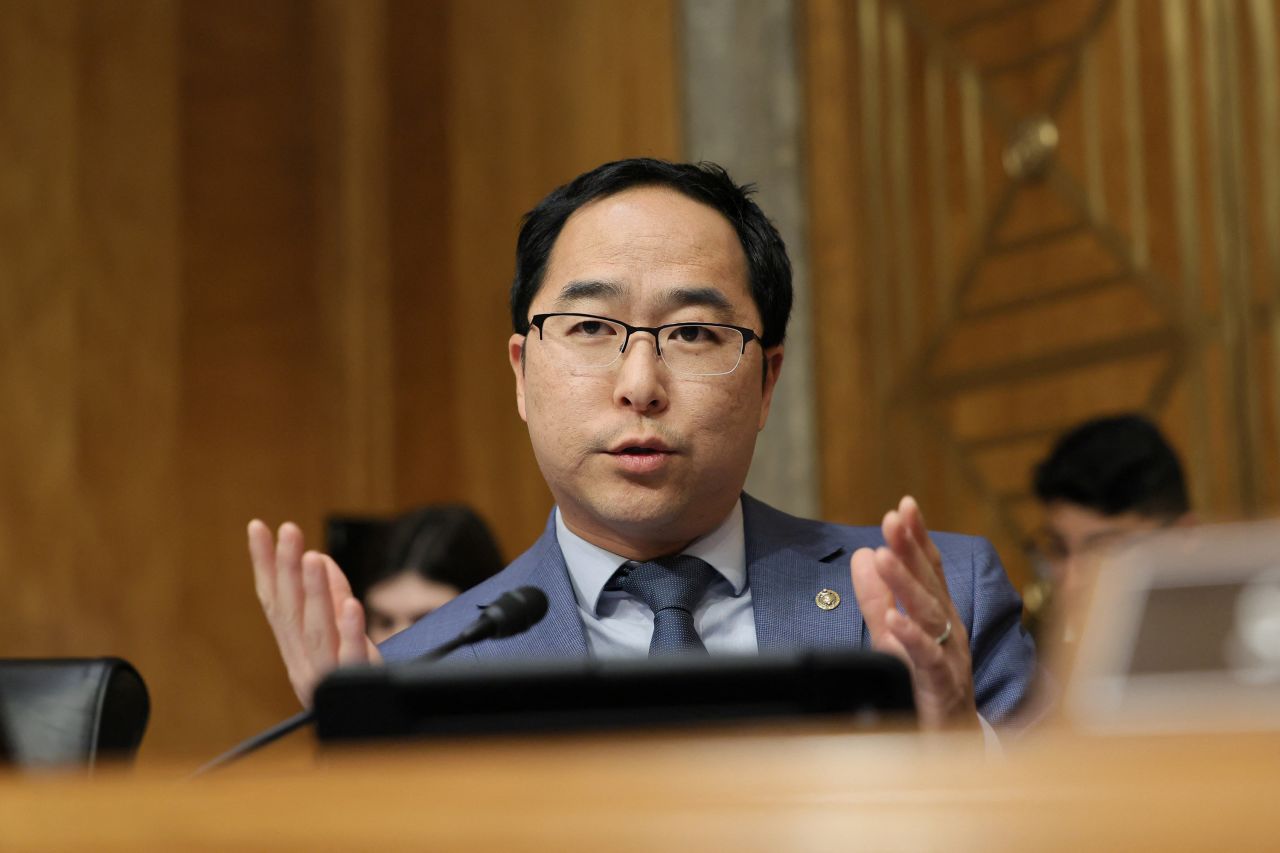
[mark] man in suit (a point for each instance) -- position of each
(649, 308)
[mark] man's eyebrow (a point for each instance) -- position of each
(698, 297)
(705, 296)
(575, 291)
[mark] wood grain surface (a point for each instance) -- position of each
(799, 790)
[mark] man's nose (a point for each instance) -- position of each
(641, 382)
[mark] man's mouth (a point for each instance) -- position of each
(647, 456)
(640, 447)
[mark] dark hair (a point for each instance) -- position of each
(1114, 465)
(767, 262)
(448, 544)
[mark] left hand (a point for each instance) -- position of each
(908, 572)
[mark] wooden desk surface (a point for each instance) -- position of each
(793, 790)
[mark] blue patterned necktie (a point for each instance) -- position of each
(672, 587)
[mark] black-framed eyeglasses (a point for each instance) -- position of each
(689, 349)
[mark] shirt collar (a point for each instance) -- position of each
(591, 566)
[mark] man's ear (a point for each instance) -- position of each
(515, 353)
(772, 368)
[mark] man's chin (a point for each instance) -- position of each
(642, 510)
(656, 515)
(641, 515)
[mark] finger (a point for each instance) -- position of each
(904, 545)
(913, 520)
(287, 614)
(319, 624)
(262, 552)
(932, 627)
(339, 586)
(921, 604)
(928, 658)
(353, 644)
(874, 596)
(875, 600)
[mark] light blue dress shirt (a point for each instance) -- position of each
(619, 625)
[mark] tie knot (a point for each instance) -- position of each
(680, 582)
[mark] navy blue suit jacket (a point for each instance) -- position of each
(789, 560)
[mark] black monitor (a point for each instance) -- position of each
(861, 688)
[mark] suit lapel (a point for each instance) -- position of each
(559, 634)
(789, 562)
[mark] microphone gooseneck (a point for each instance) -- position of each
(513, 612)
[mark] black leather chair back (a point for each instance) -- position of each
(71, 711)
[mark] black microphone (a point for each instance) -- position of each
(514, 612)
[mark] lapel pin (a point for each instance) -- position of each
(827, 599)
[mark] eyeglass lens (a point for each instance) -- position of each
(689, 348)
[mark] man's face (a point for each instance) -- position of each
(641, 460)
(1076, 534)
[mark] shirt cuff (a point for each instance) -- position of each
(990, 740)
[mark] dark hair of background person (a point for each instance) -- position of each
(767, 261)
(1114, 465)
(448, 544)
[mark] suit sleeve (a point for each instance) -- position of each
(1004, 655)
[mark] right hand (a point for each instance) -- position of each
(317, 622)
(908, 571)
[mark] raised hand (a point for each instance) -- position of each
(927, 633)
(317, 622)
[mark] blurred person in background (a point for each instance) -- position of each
(1104, 482)
(413, 564)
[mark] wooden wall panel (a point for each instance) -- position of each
(260, 366)
(254, 260)
(38, 498)
(424, 283)
(1071, 199)
(128, 342)
(352, 263)
(88, 271)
